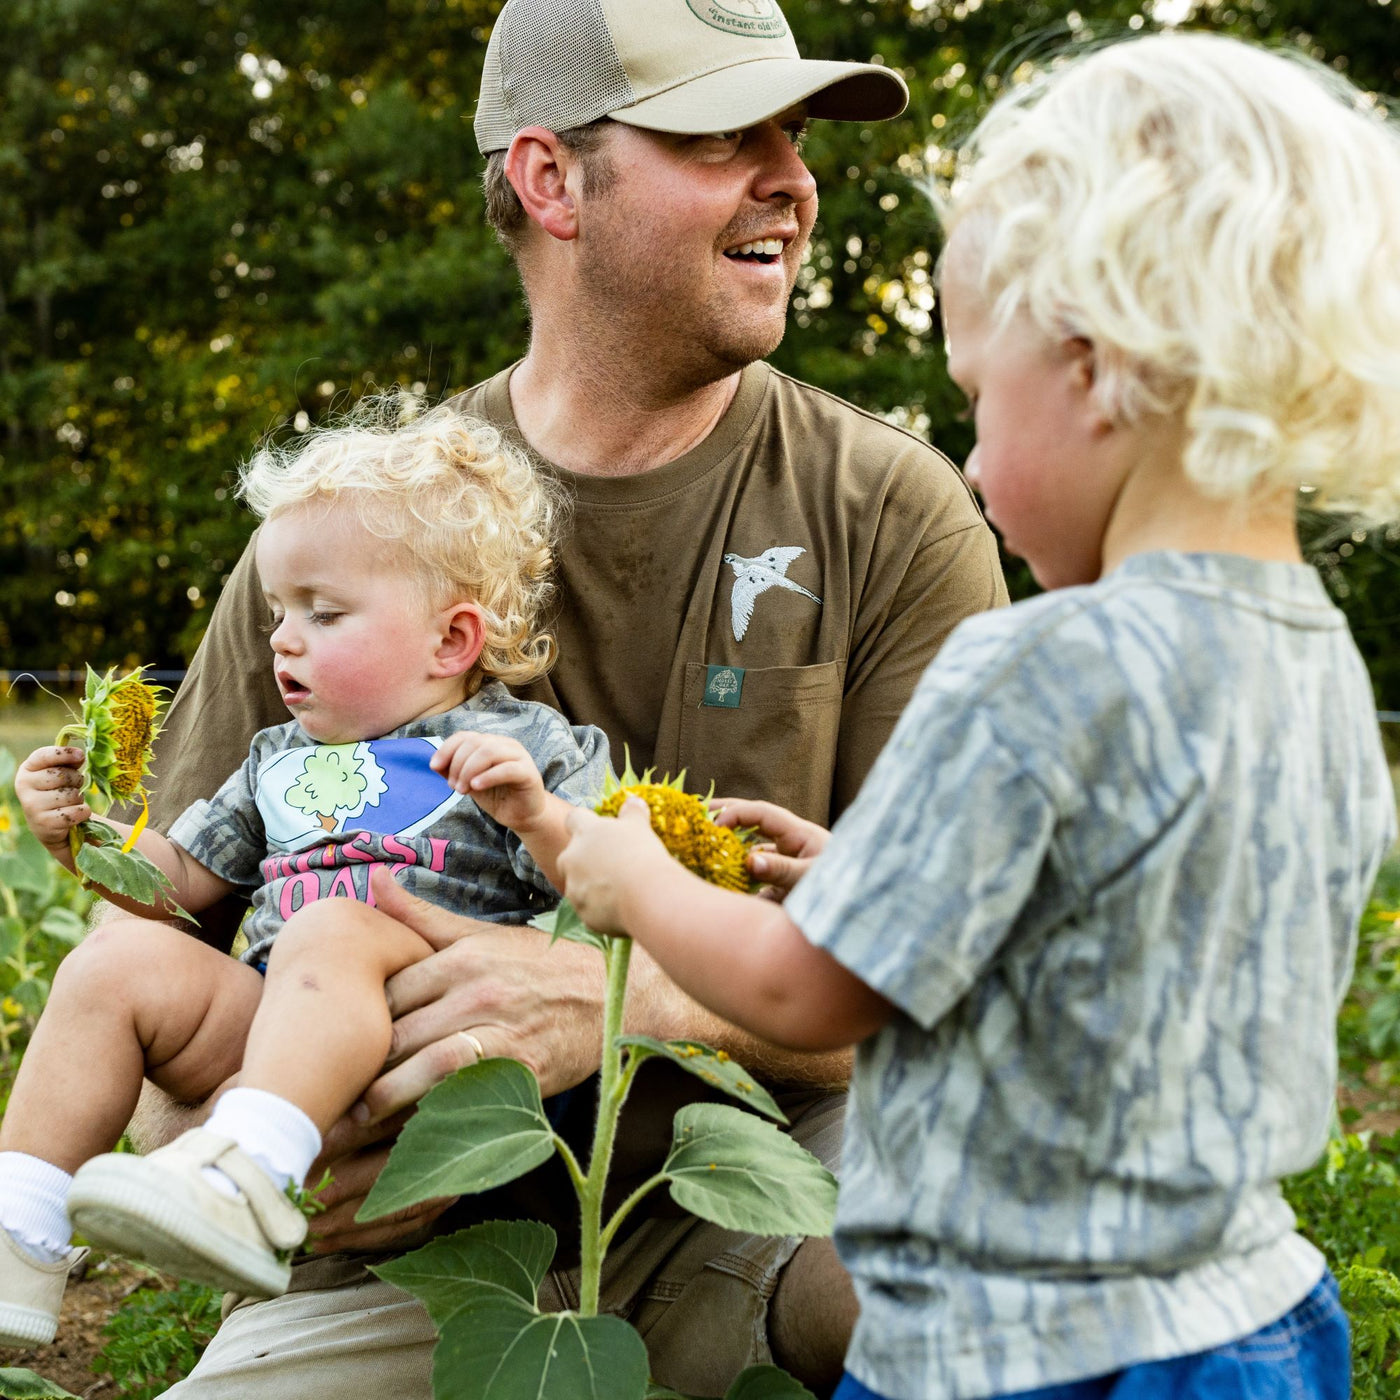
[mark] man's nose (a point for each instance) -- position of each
(781, 172)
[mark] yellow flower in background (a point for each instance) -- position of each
(6, 818)
(10, 1007)
(716, 854)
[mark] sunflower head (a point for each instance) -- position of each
(716, 854)
(120, 721)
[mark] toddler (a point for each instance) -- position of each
(405, 566)
(1093, 912)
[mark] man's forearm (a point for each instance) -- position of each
(659, 1008)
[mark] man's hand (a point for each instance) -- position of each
(517, 996)
(790, 842)
(355, 1154)
(49, 786)
(497, 773)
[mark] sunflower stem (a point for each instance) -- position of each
(612, 1090)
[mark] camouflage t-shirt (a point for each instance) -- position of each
(301, 821)
(1109, 870)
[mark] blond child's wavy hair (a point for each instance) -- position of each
(1222, 223)
(472, 517)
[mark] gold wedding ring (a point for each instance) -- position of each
(474, 1043)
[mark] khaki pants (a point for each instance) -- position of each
(697, 1294)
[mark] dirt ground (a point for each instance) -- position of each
(87, 1305)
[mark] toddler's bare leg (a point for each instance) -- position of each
(322, 1030)
(136, 998)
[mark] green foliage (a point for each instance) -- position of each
(222, 219)
(1371, 1298)
(564, 922)
(1349, 1206)
(42, 912)
(1369, 1027)
(507, 1257)
(498, 1348)
(104, 862)
(714, 1067)
(156, 1338)
(486, 1125)
(727, 1166)
(18, 1384)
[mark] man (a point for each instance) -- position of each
(755, 577)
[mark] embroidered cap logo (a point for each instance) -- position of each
(756, 19)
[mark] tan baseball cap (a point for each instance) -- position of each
(689, 66)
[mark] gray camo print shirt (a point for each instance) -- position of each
(301, 821)
(1109, 869)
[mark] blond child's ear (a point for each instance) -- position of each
(1082, 365)
(463, 634)
(539, 168)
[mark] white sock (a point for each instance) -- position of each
(273, 1131)
(34, 1205)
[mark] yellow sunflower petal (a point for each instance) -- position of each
(715, 853)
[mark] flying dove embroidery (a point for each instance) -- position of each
(755, 576)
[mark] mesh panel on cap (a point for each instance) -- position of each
(559, 67)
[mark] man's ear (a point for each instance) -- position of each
(463, 634)
(538, 167)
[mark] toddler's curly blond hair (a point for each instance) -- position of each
(473, 518)
(1222, 223)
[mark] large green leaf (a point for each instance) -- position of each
(21, 1385)
(495, 1348)
(767, 1383)
(446, 1275)
(742, 1173)
(564, 922)
(713, 1066)
(482, 1127)
(102, 861)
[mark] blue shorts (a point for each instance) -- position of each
(1305, 1355)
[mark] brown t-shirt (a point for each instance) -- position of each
(756, 612)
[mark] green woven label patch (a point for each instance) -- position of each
(723, 687)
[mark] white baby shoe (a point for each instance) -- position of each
(164, 1211)
(31, 1293)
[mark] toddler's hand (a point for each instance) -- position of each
(604, 858)
(497, 773)
(790, 842)
(49, 786)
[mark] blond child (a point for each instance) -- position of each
(405, 566)
(1093, 911)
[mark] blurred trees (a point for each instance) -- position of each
(220, 218)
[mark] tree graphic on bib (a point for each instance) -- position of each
(333, 781)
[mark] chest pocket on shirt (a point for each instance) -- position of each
(779, 742)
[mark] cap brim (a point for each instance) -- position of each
(748, 93)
